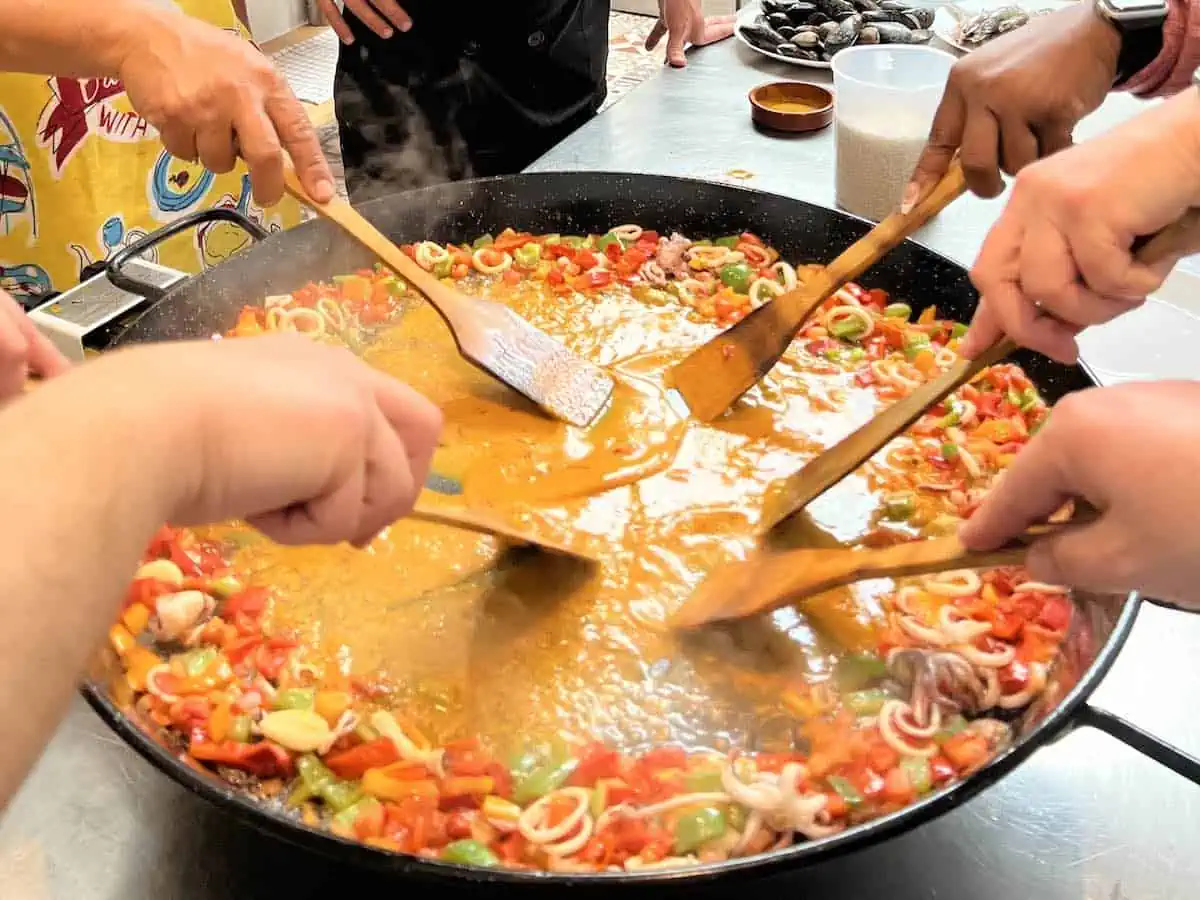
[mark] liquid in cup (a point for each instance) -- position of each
(886, 97)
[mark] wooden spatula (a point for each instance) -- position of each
(716, 374)
(488, 334)
(769, 581)
(475, 520)
(840, 460)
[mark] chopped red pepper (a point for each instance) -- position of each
(352, 763)
(264, 759)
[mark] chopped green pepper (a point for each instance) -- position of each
(848, 329)
(1029, 399)
(704, 781)
(702, 243)
(958, 330)
(552, 239)
(484, 241)
(845, 790)
(314, 774)
(541, 781)
(914, 343)
(868, 702)
(196, 662)
(833, 354)
(697, 827)
(395, 286)
(442, 268)
(729, 241)
(857, 670)
(949, 451)
(301, 793)
(469, 853)
(950, 727)
(295, 698)
(899, 507)
(737, 276)
(1013, 396)
(953, 414)
(897, 311)
(856, 354)
(225, 586)
(606, 240)
(348, 816)
(917, 770)
(528, 255)
(340, 795)
(240, 730)
(365, 733)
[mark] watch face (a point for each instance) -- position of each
(1137, 8)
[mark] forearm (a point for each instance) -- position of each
(75, 38)
(81, 481)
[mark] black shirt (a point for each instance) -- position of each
(473, 89)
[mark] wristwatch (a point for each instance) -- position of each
(1140, 25)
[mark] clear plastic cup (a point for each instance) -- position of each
(886, 97)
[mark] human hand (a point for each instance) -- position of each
(1060, 257)
(24, 350)
(1143, 483)
(1019, 97)
(214, 97)
(378, 15)
(304, 441)
(684, 23)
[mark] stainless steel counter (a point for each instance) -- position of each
(1086, 819)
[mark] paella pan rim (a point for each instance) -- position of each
(523, 201)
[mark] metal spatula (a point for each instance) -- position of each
(768, 582)
(712, 378)
(489, 335)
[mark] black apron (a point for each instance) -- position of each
(473, 89)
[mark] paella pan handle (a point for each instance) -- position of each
(126, 282)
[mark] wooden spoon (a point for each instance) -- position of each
(712, 378)
(475, 520)
(767, 582)
(840, 460)
(488, 334)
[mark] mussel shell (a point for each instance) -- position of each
(869, 35)
(836, 9)
(817, 18)
(788, 31)
(775, 20)
(762, 35)
(895, 33)
(826, 29)
(845, 35)
(799, 12)
(864, 5)
(884, 15)
(812, 55)
(773, 6)
(896, 5)
(807, 39)
(922, 15)
(789, 50)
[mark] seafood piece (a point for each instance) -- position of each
(777, 20)
(812, 55)
(826, 29)
(789, 31)
(992, 23)
(922, 15)
(816, 18)
(799, 12)
(761, 35)
(869, 35)
(789, 50)
(865, 5)
(670, 250)
(895, 33)
(845, 35)
(807, 40)
(836, 9)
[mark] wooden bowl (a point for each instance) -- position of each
(791, 106)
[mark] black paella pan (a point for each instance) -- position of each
(592, 203)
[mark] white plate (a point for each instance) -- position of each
(945, 24)
(748, 14)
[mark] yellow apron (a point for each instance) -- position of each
(82, 175)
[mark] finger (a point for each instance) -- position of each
(716, 28)
(945, 135)
(1053, 138)
(366, 14)
(1105, 265)
(416, 421)
(333, 16)
(1050, 280)
(299, 139)
(179, 140)
(1019, 145)
(42, 358)
(996, 269)
(394, 13)
(260, 148)
(389, 486)
(656, 34)
(677, 35)
(332, 516)
(215, 147)
(1091, 557)
(980, 150)
(14, 349)
(1037, 484)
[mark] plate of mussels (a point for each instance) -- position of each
(812, 32)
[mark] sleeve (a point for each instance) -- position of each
(1171, 71)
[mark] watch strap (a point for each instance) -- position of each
(1139, 47)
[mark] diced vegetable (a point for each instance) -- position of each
(845, 790)
(240, 729)
(196, 662)
(899, 506)
(737, 276)
(295, 698)
(348, 816)
(958, 330)
(729, 241)
(897, 311)
(469, 853)
(857, 670)
(485, 240)
(704, 781)
(541, 781)
(867, 702)
(917, 770)
(441, 268)
(603, 242)
(528, 255)
(697, 827)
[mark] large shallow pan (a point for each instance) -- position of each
(593, 202)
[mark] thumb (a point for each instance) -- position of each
(945, 136)
(656, 34)
(985, 330)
